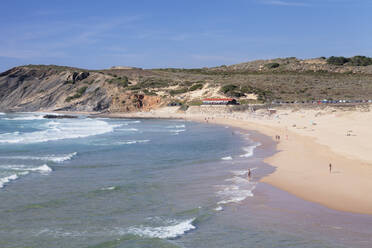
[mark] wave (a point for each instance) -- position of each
(218, 208)
(164, 232)
(240, 189)
(227, 158)
(6, 180)
(127, 129)
(132, 121)
(176, 126)
(249, 150)
(26, 168)
(58, 130)
(44, 169)
(22, 170)
(1, 113)
(109, 188)
(177, 131)
(124, 142)
(129, 142)
(53, 158)
(240, 172)
(233, 194)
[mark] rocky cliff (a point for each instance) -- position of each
(33, 88)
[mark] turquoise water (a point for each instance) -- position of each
(151, 183)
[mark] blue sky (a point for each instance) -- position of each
(174, 33)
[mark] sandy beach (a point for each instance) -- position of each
(310, 139)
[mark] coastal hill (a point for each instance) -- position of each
(127, 89)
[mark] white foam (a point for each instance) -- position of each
(240, 172)
(57, 130)
(133, 122)
(7, 179)
(44, 169)
(127, 129)
(1, 113)
(124, 142)
(176, 126)
(129, 142)
(218, 208)
(227, 158)
(249, 150)
(177, 131)
(26, 118)
(26, 168)
(233, 195)
(109, 188)
(238, 180)
(240, 189)
(53, 158)
(164, 232)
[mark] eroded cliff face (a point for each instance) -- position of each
(35, 88)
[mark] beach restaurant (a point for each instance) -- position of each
(219, 101)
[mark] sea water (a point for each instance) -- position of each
(99, 182)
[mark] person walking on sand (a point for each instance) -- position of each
(249, 174)
(330, 168)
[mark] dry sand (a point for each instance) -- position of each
(315, 139)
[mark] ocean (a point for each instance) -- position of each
(100, 182)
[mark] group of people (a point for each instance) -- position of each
(277, 137)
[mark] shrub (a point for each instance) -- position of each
(228, 88)
(82, 90)
(78, 94)
(178, 91)
(337, 60)
(196, 87)
(360, 61)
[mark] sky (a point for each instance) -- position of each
(184, 34)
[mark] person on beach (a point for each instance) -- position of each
(249, 174)
(330, 168)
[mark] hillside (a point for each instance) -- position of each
(126, 89)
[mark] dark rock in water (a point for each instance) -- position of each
(60, 117)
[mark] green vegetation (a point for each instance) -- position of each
(78, 94)
(228, 89)
(353, 61)
(120, 81)
(196, 87)
(337, 60)
(178, 91)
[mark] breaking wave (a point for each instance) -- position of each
(22, 170)
(227, 158)
(164, 232)
(249, 150)
(53, 158)
(57, 130)
(176, 126)
(124, 142)
(240, 188)
(26, 118)
(6, 180)
(26, 168)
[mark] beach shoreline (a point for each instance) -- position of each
(301, 163)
